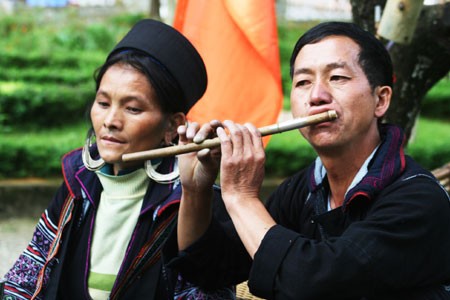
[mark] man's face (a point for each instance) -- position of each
(327, 76)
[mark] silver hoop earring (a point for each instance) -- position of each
(162, 178)
(90, 163)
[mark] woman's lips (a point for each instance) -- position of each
(112, 140)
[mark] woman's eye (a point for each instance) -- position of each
(102, 103)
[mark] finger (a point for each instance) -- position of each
(258, 152)
(191, 130)
(207, 156)
(215, 124)
(203, 153)
(255, 135)
(209, 161)
(181, 130)
(236, 137)
(225, 142)
(207, 130)
(247, 142)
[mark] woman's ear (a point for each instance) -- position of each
(383, 94)
(174, 120)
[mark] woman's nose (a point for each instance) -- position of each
(112, 119)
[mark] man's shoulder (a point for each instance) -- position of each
(413, 167)
(417, 181)
(414, 171)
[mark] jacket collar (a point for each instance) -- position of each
(387, 164)
(84, 184)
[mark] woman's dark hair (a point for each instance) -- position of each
(374, 59)
(168, 92)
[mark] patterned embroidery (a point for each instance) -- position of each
(23, 276)
(187, 291)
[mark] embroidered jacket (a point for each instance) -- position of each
(55, 265)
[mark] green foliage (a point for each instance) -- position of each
(57, 59)
(288, 34)
(46, 75)
(93, 37)
(45, 105)
(52, 83)
(287, 153)
(430, 143)
(37, 152)
(437, 101)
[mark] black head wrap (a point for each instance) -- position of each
(173, 51)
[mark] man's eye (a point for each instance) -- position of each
(301, 83)
(338, 78)
(134, 110)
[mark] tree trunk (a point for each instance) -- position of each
(417, 66)
(154, 9)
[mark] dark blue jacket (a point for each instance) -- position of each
(390, 239)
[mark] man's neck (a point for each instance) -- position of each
(342, 168)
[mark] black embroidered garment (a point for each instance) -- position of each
(389, 240)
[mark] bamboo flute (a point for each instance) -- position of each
(215, 142)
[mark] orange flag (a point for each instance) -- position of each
(238, 41)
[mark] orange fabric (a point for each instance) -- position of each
(238, 41)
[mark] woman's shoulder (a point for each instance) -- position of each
(73, 157)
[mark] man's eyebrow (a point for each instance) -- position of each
(302, 71)
(328, 67)
(336, 65)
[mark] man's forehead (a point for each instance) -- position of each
(332, 50)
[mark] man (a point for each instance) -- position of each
(364, 221)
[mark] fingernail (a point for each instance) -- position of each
(198, 139)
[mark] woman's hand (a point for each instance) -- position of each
(198, 170)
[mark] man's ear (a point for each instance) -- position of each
(174, 120)
(383, 94)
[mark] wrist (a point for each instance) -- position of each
(197, 192)
(239, 202)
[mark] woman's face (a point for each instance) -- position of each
(126, 116)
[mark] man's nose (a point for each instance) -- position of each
(319, 94)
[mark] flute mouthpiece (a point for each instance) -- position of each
(332, 114)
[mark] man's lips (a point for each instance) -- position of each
(318, 110)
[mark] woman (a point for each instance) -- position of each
(102, 235)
